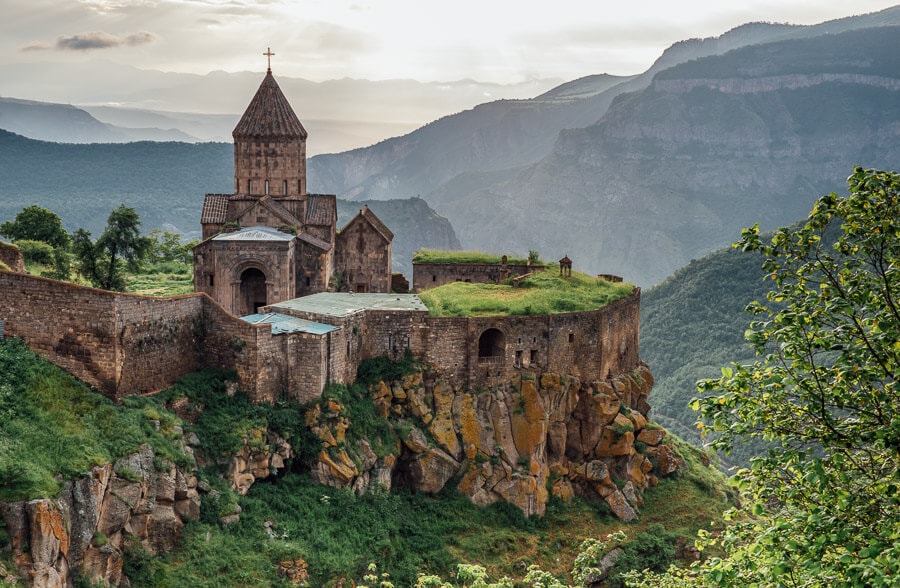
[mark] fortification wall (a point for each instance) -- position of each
(124, 344)
(12, 257)
(432, 275)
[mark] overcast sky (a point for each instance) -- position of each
(503, 41)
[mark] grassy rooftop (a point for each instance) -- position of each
(541, 293)
(443, 256)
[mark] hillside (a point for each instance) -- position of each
(637, 178)
(285, 526)
(165, 183)
(692, 325)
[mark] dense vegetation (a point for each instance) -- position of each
(540, 293)
(822, 394)
(692, 324)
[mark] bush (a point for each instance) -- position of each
(36, 252)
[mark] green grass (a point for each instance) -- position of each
(162, 279)
(541, 293)
(456, 256)
(54, 427)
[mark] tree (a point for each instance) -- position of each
(120, 247)
(36, 224)
(825, 499)
(167, 247)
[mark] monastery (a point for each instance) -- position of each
(291, 303)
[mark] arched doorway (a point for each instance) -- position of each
(253, 290)
(491, 346)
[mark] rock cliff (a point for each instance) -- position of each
(535, 436)
(84, 532)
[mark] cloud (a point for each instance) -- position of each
(95, 40)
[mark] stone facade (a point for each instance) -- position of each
(432, 275)
(271, 240)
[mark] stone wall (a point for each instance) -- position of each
(362, 258)
(432, 275)
(124, 344)
(12, 257)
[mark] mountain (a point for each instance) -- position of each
(66, 123)
(165, 183)
(343, 114)
(637, 176)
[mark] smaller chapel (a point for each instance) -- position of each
(270, 240)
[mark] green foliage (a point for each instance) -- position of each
(120, 247)
(823, 499)
(541, 293)
(37, 252)
(459, 256)
(53, 425)
(34, 223)
(166, 246)
(381, 369)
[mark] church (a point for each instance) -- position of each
(271, 240)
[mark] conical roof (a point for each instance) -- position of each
(269, 115)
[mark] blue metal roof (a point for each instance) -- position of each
(341, 304)
(282, 323)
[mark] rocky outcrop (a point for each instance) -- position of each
(535, 436)
(86, 529)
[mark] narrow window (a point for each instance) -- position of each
(307, 281)
(267, 187)
(518, 358)
(284, 187)
(348, 348)
(533, 358)
(212, 280)
(249, 186)
(571, 337)
(434, 278)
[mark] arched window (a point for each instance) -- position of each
(491, 347)
(284, 188)
(249, 186)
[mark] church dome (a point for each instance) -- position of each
(269, 116)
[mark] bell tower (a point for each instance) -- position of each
(270, 146)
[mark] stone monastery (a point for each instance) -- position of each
(291, 303)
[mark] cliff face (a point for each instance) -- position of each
(520, 442)
(86, 529)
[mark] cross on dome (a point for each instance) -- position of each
(269, 55)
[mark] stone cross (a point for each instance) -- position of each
(269, 55)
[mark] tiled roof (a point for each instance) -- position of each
(320, 244)
(214, 208)
(321, 209)
(280, 211)
(269, 115)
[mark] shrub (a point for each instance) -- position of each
(36, 252)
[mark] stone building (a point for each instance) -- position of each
(271, 240)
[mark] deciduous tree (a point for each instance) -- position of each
(825, 499)
(120, 247)
(36, 224)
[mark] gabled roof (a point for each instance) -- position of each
(370, 217)
(214, 208)
(321, 209)
(269, 115)
(274, 207)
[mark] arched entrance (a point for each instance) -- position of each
(491, 346)
(253, 290)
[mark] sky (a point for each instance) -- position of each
(499, 41)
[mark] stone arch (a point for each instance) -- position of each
(491, 345)
(251, 280)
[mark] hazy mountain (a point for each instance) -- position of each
(639, 175)
(342, 114)
(165, 183)
(66, 123)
